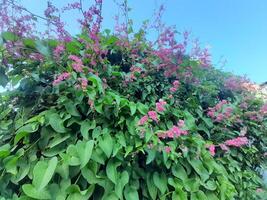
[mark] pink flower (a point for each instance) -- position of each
(212, 149)
(167, 149)
(59, 50)
(143, 120)
(176, 84)
(61, 77)
(78, 64)
(153, 115)
(160, 105)
(264, 109)
(170, 134)
(211, 113)
(181, 123)
(219, 117)
(84, 83)
(173, 89)
(237, 142)
(224, 147)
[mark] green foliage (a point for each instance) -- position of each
(55, 144)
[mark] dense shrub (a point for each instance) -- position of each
(104, 116)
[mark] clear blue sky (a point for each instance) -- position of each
(235, 29)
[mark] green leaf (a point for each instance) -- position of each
(179, 171)
(111, 170)
(199, 168)
(25, 130)
(57, 140)
(42, 48)
(189, 121)
(87, 125)
(4, 150)
(123, 180)
(132, 106)
(142, 108)
(152, 189)
(71, 109)
(160, 180)
(84, 150)
(3, 77)
(192, 184)
(43, 172)
(106, 144)
(201, 195)
(210, 185)
(97, 82)
(32, 192)
(131, 193)
(9, 36)
(151, 155)
(56, 123)
(179, 194)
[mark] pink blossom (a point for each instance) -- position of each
(212, 149)
(167, 149)
(84, 83)
(264, 109)
(224, 147)
(59, 50)
(170, 134)
(153, 115)
(175, 86)
(78, 64)
(143, 120)
(237, 142)
(160, 105)
(181, 123)
(61, 78)
(173, 89)
(211, 113)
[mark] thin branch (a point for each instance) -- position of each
(34, 15)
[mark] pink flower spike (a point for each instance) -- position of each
(173, 89)
(237, 142)
(176, 84)
(181, 123)
(167, 149)
(212, 149)
(160, 105)
(224, 147)
(153, 115)
(143, 120)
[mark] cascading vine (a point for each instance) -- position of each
(111, 115)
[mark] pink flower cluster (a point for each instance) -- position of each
(237, 142)
(77, 65)
(235, 83)
(175, 86)
(264, 109)
(220, 112)
(153, 115)
(84, 83)
(212, 149)
(160, 106)
(59, 50)
(61, 78)
(174, 132)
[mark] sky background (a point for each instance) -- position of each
(236, 30)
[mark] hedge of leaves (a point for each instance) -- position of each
(100, 116)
